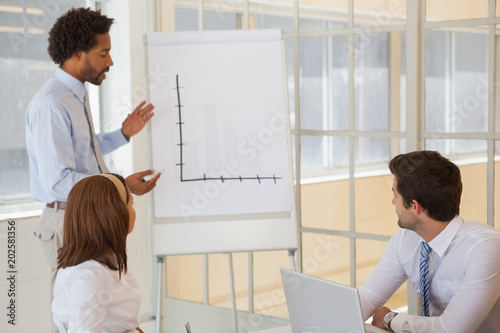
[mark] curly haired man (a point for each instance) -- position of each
(62, 145)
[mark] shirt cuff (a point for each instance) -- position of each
(123, 139)
(398, 322)
(118, 138)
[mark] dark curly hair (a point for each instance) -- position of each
(75, 32)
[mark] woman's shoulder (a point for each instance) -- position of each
(86, 265)
(88, 270)
(87, 278)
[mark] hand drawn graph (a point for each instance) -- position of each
(205, 178)
(220, 131)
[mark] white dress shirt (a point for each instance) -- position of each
(464, 285)
(90, 297)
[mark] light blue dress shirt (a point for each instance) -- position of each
(58, 138)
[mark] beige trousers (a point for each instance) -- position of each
(49, 232)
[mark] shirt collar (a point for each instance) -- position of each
(71, 82)
(441, 242)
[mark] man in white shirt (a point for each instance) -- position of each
(464, 259)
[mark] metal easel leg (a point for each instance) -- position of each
(159, 260)
(233, 296)
(291, 255)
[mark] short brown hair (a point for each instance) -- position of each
(96, 225)
(75, 32)
(430, 179)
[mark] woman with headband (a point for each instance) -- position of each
(93, 291)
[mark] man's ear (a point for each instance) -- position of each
(77, 56)
(416, 206)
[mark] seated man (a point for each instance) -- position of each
(452, 264)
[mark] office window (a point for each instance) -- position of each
(378, 83)
(457, 81)
(456, 9)
(324, 83)
(186, 19)
(350, 74)
(326, 256)
(324, 155)
(371, 83)
(317, 15)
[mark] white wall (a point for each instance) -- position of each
(32, 281)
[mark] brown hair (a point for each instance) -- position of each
(96, 224)
(430, 179)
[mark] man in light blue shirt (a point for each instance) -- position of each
(59, 133)
(58, 139)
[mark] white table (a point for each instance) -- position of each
(288, 329)
(281, 329)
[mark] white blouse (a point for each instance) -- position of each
(90, 297)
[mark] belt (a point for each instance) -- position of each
(59, 205)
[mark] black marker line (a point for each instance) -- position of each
(179, 107)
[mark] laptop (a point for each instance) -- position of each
(319, 305)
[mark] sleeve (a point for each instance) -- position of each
(55, 152)
(111, 141)
(89, 296)
(385, 280)
(473, 300)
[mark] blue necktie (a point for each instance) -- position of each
(425, 249)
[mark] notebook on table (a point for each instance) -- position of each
(326, 306)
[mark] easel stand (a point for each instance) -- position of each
(291, 255)
(160, 260)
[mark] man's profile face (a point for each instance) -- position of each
(97, 61)
(406, 218)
